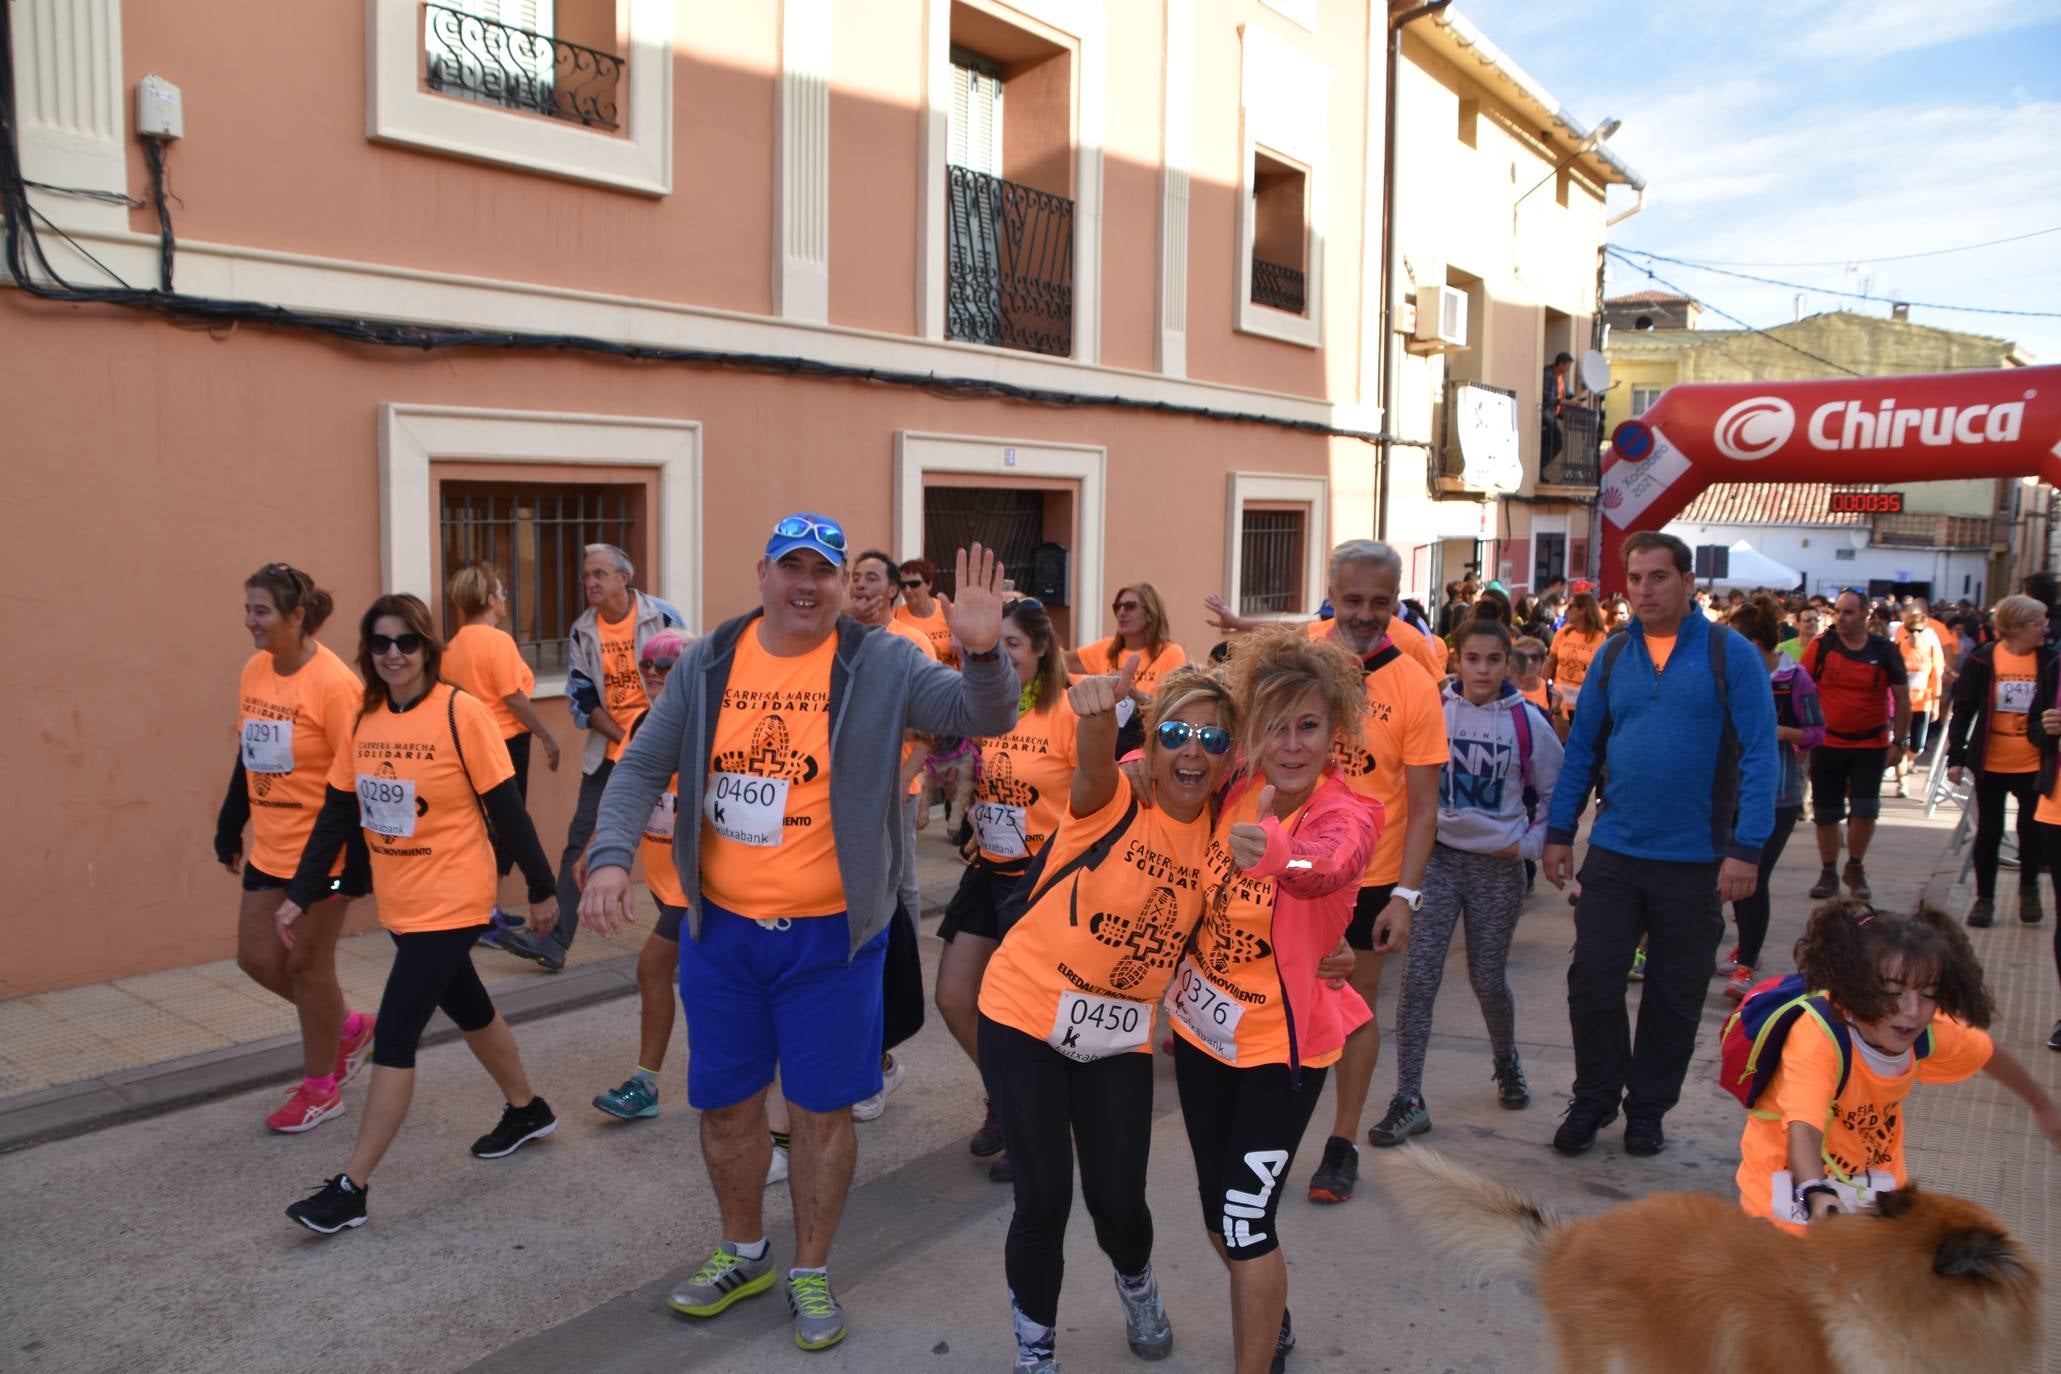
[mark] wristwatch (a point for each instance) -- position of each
(1411, 895)
(1816, 1185)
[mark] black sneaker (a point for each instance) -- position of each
(1406, 1117)
(1335, 1177)
(1643, 1136)
(1827, 884)
(519, 1126)
(1857, 881)
(1283, 1343)
(541, 950)
(1512, 1092)
(2029, 905)
(1579, 1124)
(1001, 1171)
(339, 1206)
(987, 1140)
(1983, 914)
(2054, 1040)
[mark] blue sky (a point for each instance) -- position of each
(1824, 130)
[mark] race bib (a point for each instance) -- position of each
(267, 745)
(1861, 1195)
(746, 808)
(663, 814)
(1088, 1027)
(1569, 695)
(2014, 696)
(1206, 1010)
(386, 806)
(1001, 829)
(1125, 709)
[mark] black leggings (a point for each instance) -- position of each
(2050, 859)
(432, 969)
(1243, 1125)
(1046, 1102)
(1751, 913)
(519, 755)
(1990, 791)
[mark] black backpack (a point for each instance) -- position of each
(1034, 884)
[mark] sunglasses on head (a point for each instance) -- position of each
(801, 527)
(1022, 603)
(406, 643)
(1174, 734)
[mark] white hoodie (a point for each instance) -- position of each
(1481, 801)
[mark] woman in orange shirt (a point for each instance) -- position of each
(1257, 1023)
(1021, 800)
(482, 659)
(424, 776)
(1141, 629)
(1993, 698)
(1066, 1004)
(296, 703)
(1567, 662)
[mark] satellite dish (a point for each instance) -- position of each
(1595, 371)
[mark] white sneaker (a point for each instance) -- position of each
(869, 1109)
(776, 1172)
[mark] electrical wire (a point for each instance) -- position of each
(84, 193)
(154, 157)
(1629, 253)
(1865, 258)
(1685, 294)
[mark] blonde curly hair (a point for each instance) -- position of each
(1184, 687)
(1273, 668)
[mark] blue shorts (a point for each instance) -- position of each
(758, 997)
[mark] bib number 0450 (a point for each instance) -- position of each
(1088, 1027)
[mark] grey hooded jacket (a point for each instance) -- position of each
(584, 672)
(880, 686)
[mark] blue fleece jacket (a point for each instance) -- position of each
(1680, 787)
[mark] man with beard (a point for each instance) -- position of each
(1397, 763)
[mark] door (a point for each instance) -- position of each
(1549, 558)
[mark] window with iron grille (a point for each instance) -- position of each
(506, 53)
(1271, 560)
(1713, 561)
(1009, 520)
(1280, 233)
(535, 535)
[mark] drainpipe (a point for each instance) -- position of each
(1396, 25)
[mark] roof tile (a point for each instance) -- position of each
(1772, 503)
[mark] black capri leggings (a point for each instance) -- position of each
(519, 755)
(1752, 912)
(1045, 1103)
(432, 969)
(1990, 791)
(1243, 1125)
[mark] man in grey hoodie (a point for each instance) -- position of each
(786, 724)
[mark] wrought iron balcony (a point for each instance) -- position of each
(1278, 286)
(477, 59)
(1008, 264)
(1570, 447)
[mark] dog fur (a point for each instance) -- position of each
(950, 769)
(1687, 1283)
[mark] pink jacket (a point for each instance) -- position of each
(1317, 870)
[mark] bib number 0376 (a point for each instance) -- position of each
(1207, 1011)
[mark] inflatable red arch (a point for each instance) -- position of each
(2000, 423)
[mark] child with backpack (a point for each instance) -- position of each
(1493, 797)
(1824, 1058)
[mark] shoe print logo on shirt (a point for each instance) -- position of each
(770, 754)
(1149, 938)
(999, 783)
(1355, 761)
(1220, 945)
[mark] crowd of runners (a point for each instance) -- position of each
(1208, 859)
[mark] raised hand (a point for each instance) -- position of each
(1248, 840)
(1098, 695)
(974, 616)
(1221, 616)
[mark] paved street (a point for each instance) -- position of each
(159, 1243)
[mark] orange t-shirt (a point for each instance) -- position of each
(1573, 651)
(1103, 656)
(622, 687)
(660, 873)
(290, 730)
(1864, 1127)
(1660, 648)
(766, 846)
(1083, 968)
(1538, 696)
(934, 630)
(922, 641)
(1924, 668)
(1025, 779)
(432, 863)
(485, 662)
(1405, 726)
(2016, 678)
(1428, 650)
(1227, 992)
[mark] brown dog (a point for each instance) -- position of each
(1687, 1283)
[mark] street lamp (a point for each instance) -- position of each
(1589, 142)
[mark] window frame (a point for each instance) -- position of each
(1284, 96)
(1279, 489)
(1653, 393)
(400, 109)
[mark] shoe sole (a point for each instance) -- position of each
(537, 1134)
(352, 1224)
(330, 1114)
(973, 1148)
(1513, 1104)
(749, 1289)
(1327, 1195)
(645, 1115)
(1644, 1150)
(823, 1344)
(1418, 1129)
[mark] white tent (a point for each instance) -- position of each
(1750, 568)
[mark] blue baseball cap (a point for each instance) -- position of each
(805, 530)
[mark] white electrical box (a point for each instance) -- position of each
(158, 111)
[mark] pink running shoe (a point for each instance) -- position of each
(1741, 981)
(352, 1050)
(305, 1110)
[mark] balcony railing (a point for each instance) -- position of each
(477, 59)
(1279, 286)
(1008, 265)
(1570, 448)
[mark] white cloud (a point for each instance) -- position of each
(1867, 29)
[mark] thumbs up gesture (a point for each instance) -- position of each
(1248, 839)
(1097, 696)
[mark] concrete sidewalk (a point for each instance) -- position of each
(562, 1254)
